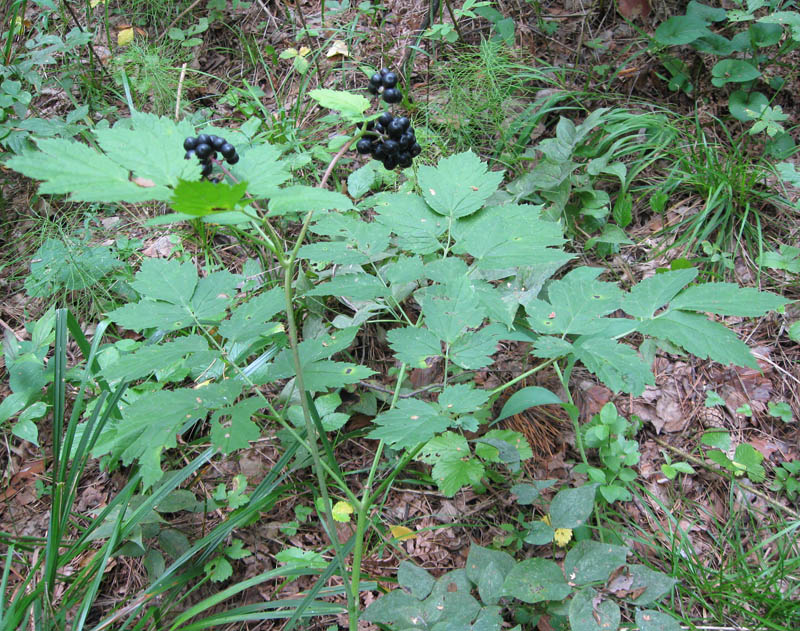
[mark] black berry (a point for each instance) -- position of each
(189, 154)
(389, 80)
(384, 72)
(233, 159)
(385, 118)
(364, 146)
(227, 150)
(190, 143)
(204, 139)
(218, 142)
(203, 151)
(395, 129)
(392, 95)
(207, 168)
(404, 122)
(415, 150)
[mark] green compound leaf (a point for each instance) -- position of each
(572, 508)
(586, 613)
(462, 398)
(728, 299)
(361, 242)
(202, 198)
(474, 349)
(453, 465)
(262, 169)
(318, 376)
(299, 198)
(414, 346)
(504, 236)
(575, 304)
(357, 286)
(458, 185)
(248, 320)
(591, 561)
(652, 620)
(646, 297)
(352, 106)
(167, 280)
(536, 580)
(410, 423)
(416, 226)
(616, 365)
(240, 430)
(701, 337)
(141, 163)
(148, 359)
(450, 309)
(67, 264)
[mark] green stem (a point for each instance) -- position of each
(519, 378)
(572, 415)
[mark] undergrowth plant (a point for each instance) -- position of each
(441, 272)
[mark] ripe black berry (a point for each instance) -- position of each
(218, 142)
(379, 128)
(390, 146)
(207, 168)
(188, 155)
(204, 139)
(406, 140)
(404, 122)
(392, 95)
(227, 150)
(376, 79)
(415, 150)
(364, 146)
(395, 129)
(384, 72)
(190, 143)
(389, 162)
(385, 118)
(373, 89)
(203, 151)
(379, 152)
(389, 80)
(233, 159)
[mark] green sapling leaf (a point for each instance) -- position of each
(536, 580)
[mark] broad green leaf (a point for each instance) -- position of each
(550, 347)
(488, 569)
(297, 557)
(588, 613)
(395, 608)
(646, 297)
(488, 445)
(167, 280)
(704, 12)
(413, 346)
(536, 580)
(448, 445)
(67, 264)
(415, 579)
(262, 169)
(749, 457)
(311, 350)
(218, 569)
(656, 584)
(213, 295)
(575, 304)
(451, 604)
(176, 501)
(339, 252)
(527, 398)
(447, 270)
(592, 562)
(358, 286)
(410, 423)
(571, 508)
(733, 71)
(681, 29)
(148, 359)
(368, 239)
(361, 180)
(299, 198)
(462, 398)
(528, 493)
(652, 620)
(404, 269)
(201, 198)
(763, 34)
(240, 430)
(510, 236)
(416, 227)
(458, 185)
(701, 337)
(351, 105)
(147, 314)
(616, 365)
(453, 474)
(248, 320)
(728, 299)
(474, 349)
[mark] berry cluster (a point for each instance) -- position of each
(205, 147)
(392, 141)
(385, 81)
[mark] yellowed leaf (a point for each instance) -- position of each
(341, 511)
(125, 37)
(304, 50)
(94, 3)
(339, 47)
(402, 533)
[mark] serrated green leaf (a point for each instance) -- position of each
(262, 169)
(299, 198)
(362, 242)
(311, 350)
(404, 269)
(458, 185)
(238, 433)
(510, 236)
(148, 359)
(588, 613)
(592, 562)
(750, 458)
(351, 105)
(410, 423)
(656, 584)
(616, 365)
(571, 508)
(66, 264)
(167, 280)
(320, 375)
(213, 295)
(416, 227)
(462, 398)
(701, 337)
(547, 347)
(536, 580)
(489, 444)
(527, 398)
(448, 445)
(728, 299)
(646, 297)
(218, 569)
(450, 309)
(413, 346)
(575, 304)
(201, 198)
(358, 286)
(248, 320)
(148, 314)
(474, 349)
(652, 620)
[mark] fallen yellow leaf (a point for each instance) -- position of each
(402, 533)
(125, 37)
(304, 50)
(339, 47)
